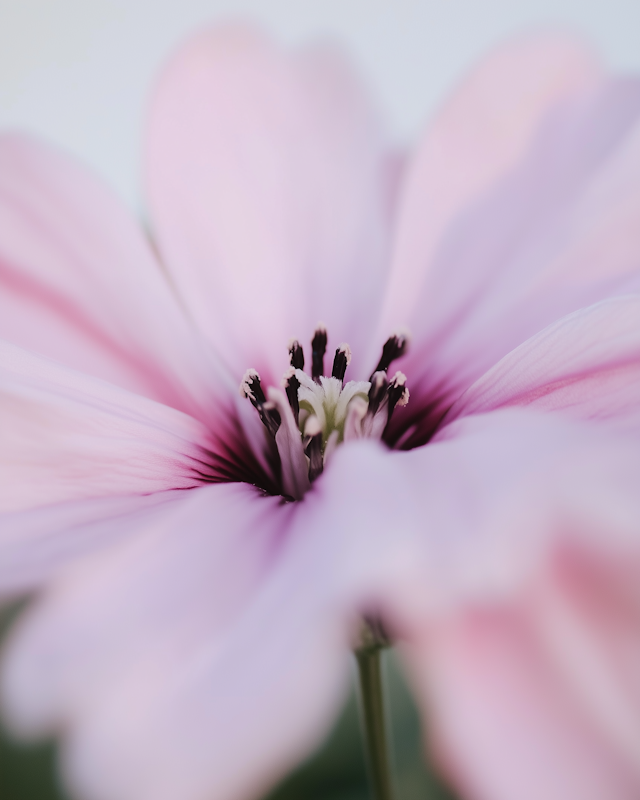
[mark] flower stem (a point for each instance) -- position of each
(369, 657)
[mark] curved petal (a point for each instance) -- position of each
(504, 722)
(180, 658)
(79, 284)
(35, 545)
(68, 436)
(473, 515)
(560, 233)
(484, 533)
(587, 364)
(268, 193)
(480, 134)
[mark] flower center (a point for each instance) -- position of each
(316, 413)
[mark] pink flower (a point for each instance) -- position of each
(191, 634)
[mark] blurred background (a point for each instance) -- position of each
(78, 73)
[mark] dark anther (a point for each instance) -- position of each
(341, 362)
(252, 389)
(314, 452)
(291, 386)
(393, 348)
(296, 355)
(318, 349)
(377, 391)
(397, 393)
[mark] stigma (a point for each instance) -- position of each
(311, 415)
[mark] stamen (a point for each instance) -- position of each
(397, 392)
(296, 354)
(320, 411)
(356, 413)
(251, 388)
(393, 348)
(318, 349)
(291, 385)
(377, 391)
(341, 361)
(313, 450)
(293, 463)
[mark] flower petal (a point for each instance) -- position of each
(181, 657)
(268, 192)
(587, 364)
(474, 514)
(482, 131)
(503, 721)
(78, 283)
(479, 525)
(560, 233)
(35, 545)
(68, 436)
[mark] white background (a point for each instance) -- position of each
(78, 71)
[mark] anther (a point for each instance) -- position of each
(318, 349)
(341, 361)
(251, 388)
(291, 385)
(397, 392)
(393, 348)
(377, 391)
(313, 450)
(296, 354)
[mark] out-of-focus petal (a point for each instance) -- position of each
(587, 364)
(268, 194)
(209, 643)
(68, 436)
(561, 232)
(79, 284)
(36, 544)
(479, 135)
(498, 516)
(504, 721)
(473, 515)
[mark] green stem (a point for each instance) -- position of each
(373, 712)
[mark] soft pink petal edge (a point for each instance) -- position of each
(474, 140)
(269, 189)
(81, 285)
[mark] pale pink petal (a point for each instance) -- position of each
(36, 544)
(478, 136)
(207, 644)
(504, 722)
(561, 232)
(473, 516)
(478, 522)
(68, 436)
(79, 283)
(586, 364)
(269, 196)
(586, 612)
